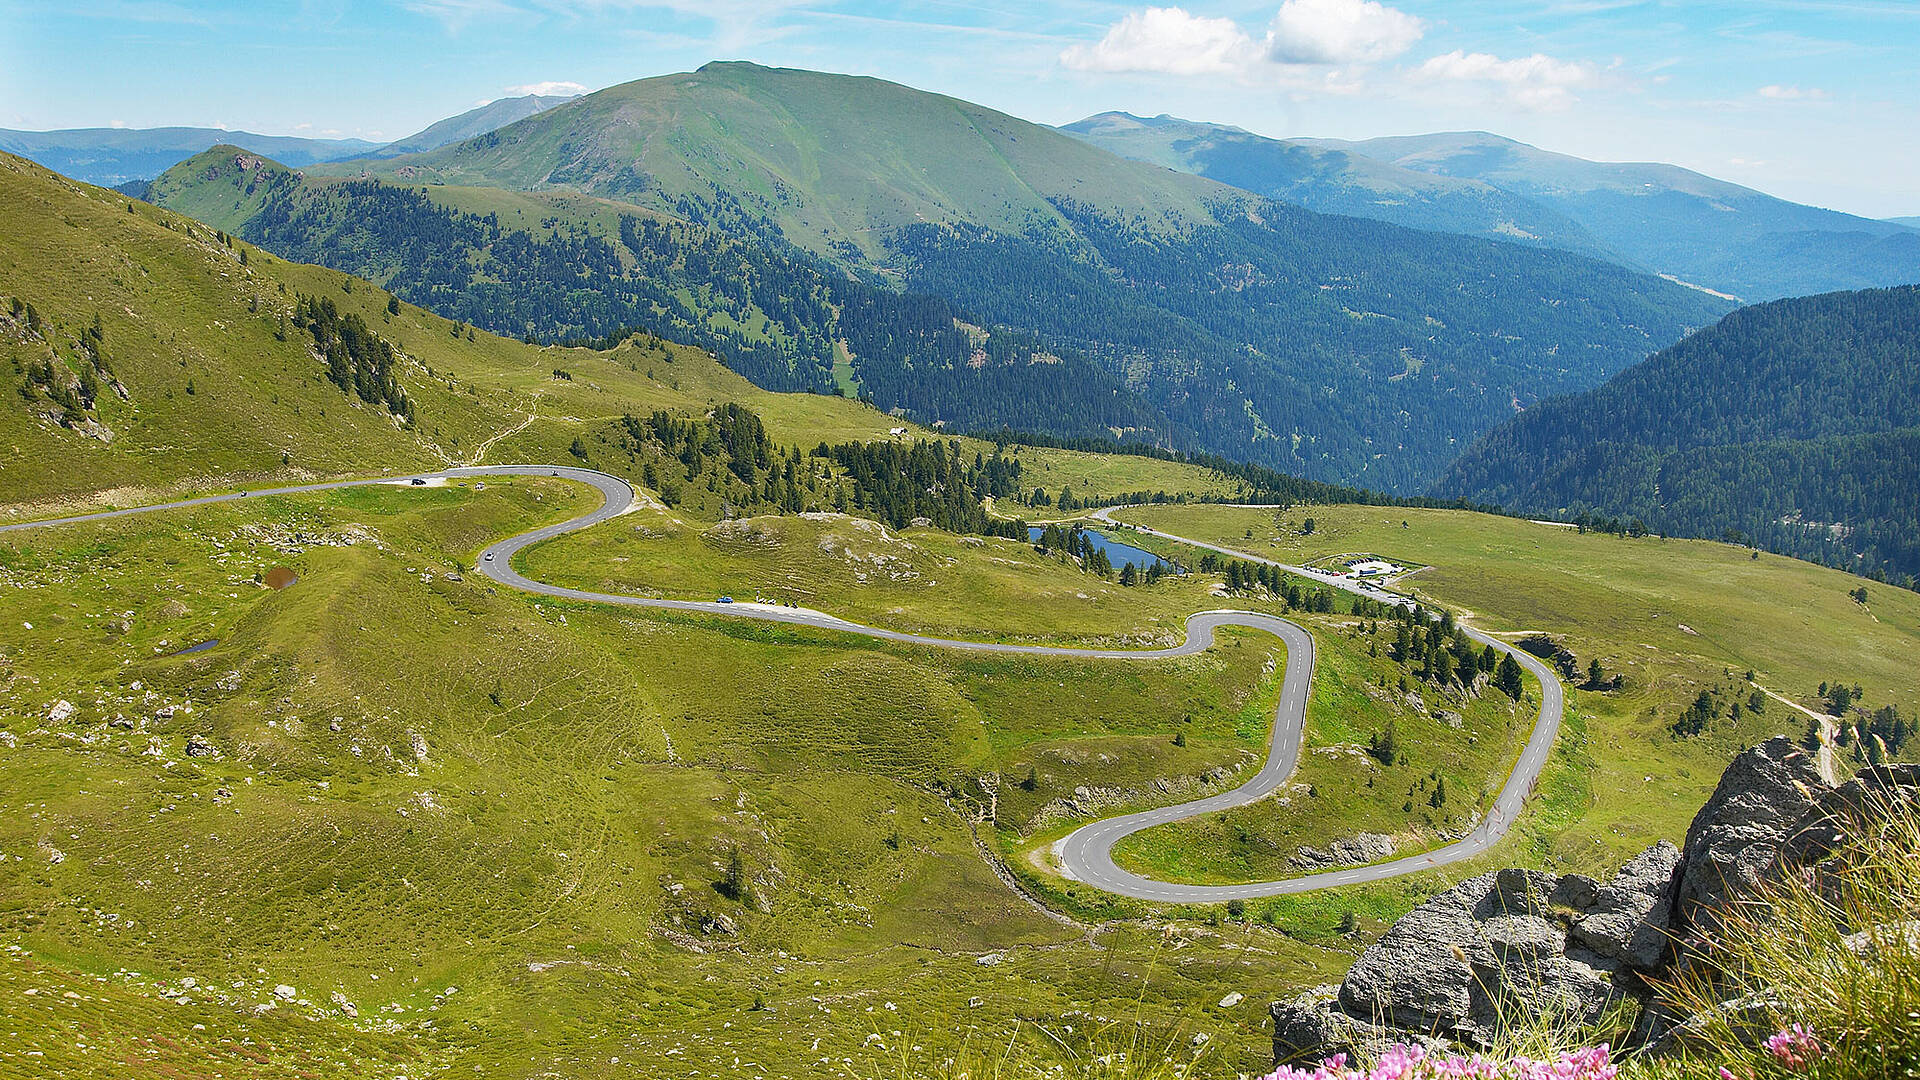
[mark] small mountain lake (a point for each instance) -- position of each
(1118, 554)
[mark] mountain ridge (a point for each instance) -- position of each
(113, 156)
(1327, 346)
(1674, 220)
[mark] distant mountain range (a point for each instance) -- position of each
(112, 157)
(1793, 424)
(968, 268)
(1659, 218)
(122, 157)
(1336, 181)
(1675, 221)
(489, 117)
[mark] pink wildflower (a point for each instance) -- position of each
(1795, 1047)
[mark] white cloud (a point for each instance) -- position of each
(1536, 82)
(455, 14)
(1167, 40)
(1792, 93)
(117, 124)
(1340, 32)
(550, 88)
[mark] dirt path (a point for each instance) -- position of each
(480, 454)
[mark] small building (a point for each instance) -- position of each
(1373, 568)
(898, 432)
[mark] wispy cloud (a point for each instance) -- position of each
(550, 88)
(1538, 81)
(1303, 33)
(1792, 93)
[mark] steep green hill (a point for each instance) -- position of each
(1794, 424)
(832, 161)
(1675, 221)
(1341, 349)
(1336, 181)
(148, 354)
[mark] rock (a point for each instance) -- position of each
(284, 992)
(198, 746)
(346, 1007)
(1576, 892)
(1232, 999)
(1736, 835)
(60, 711)
(1311, 1028)
(1901, 938)
(1627, 920)
(1450, 718)
(1488, 947)
(1863, 800)
(1357, 850)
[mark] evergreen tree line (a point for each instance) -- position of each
(1341, 342)
(726, 462)
(53, 375)
(1792, 426)
(720, 281)
(359, 361)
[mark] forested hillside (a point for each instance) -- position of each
(1067, 290)
(778, 314)
(1793, 425)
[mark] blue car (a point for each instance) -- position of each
(726, 599)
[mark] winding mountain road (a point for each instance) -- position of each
(1086, 854)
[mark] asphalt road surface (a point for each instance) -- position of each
(1086, 854)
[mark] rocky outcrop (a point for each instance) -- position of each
(1523, 943)
(1492, 946)
(1737, 834)
(1312, 1027)
(1357, 850)
(1627, 920)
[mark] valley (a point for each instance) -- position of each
(713, 568)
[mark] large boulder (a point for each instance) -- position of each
(1311, 1027)
(1737, 834)
(1627, 920)
(1490, 947)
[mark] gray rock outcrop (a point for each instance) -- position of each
(1523, 943)
(1627, 918)
(1737, 834)
(1311, 1027)
(1489, 947)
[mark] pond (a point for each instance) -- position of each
(1118, 554)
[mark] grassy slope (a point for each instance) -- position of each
(176, 308)
(1673, 615)
(529, 803)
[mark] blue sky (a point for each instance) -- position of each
(1814, 100)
